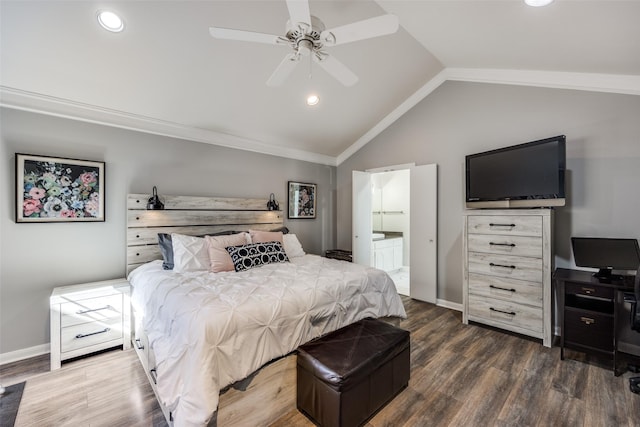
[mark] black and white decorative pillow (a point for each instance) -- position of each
(246, 257)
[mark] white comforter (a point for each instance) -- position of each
(210, 330)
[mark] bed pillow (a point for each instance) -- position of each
(189, 253)
(246, 257)
(166, 246)
(292, 246)
(258, 236)
(219, 259)
(283, 229)
(166, 249)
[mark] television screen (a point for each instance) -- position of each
(606, 254)
(530, 171)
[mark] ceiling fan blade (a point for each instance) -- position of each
(284, 69)
(299, 11)
(337, 69)
(247, 36)
(360, 30)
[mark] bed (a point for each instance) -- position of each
(218, 347)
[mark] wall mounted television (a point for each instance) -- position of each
(524, 175)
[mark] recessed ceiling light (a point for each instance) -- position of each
(313, 100)
(110, 21)
(538, 3)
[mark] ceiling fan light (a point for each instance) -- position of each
(538, 3)
(313, 100)
(110, 21)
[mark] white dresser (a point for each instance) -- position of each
(89, 317)
(507, 270)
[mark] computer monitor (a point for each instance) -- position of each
(606, 255)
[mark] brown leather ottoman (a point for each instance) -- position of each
(346, 376)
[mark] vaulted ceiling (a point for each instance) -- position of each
(165, 74)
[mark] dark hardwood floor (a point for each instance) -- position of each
(460, 376)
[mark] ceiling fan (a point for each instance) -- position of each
(306, 36)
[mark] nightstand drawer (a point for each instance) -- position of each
(505, 224)
(506, 245)
(91, 310)
(588, 328)
(88, 334)
(588, 290)
(514, 267)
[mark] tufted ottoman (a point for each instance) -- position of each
(346, 376)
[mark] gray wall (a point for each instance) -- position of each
(35, 258)
(603, 158)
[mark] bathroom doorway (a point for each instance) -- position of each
(395, 226)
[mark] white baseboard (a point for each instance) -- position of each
(629, 348)
(25, 353)
(448, 304)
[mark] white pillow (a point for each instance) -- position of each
(292, 246)
(189, 253)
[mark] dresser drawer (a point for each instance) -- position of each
(87, 334)
(528, 246)
(515, 291)
(588, 328)
(505, 312)
(516, 225)
(508, 266)
(91, 310)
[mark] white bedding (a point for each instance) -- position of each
(209, 330)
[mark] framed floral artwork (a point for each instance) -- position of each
(302, 200)
(53, 189)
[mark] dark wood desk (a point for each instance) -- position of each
(588, 309)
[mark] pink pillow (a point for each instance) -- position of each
(258, 236)
(219, 258)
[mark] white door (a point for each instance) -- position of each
(362, 224)
(423, 226)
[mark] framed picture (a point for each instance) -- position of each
(53, 189)
(302, 200)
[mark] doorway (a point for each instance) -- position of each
(395, 226)
(391, 212)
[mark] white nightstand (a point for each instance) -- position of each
(89, 317)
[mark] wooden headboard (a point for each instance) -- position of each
(192, 216)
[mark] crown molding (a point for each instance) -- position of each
(48, 105)
(609, 83)
(408, 104)
(59, 107)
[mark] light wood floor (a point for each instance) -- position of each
(460, 376)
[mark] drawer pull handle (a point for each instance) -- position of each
(501, 225)
(502, 289)
(139, 344)
(93, 333)
(154, 375)
(588, 290)
(510, 313)
(588, 320)
(502, 265)
(513, 245)
(106, 307)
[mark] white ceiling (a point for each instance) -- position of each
(165, 74)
